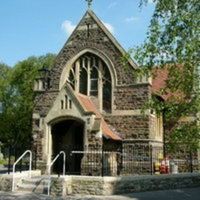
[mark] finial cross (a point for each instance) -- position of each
(89, 3)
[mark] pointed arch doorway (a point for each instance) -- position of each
(68, 136)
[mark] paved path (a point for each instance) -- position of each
(180, 194)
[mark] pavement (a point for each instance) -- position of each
(178, 194)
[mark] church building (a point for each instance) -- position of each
(90, 103)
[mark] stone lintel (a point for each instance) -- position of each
(130, 112)
(142, 140)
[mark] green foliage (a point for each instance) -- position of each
(173, 42)
(16, 93)
(2, 162)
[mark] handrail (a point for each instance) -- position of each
(49, 170)
(14, 165)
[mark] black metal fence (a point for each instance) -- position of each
(10, 156)
(130, 159)
(185, 156)
(127, 159)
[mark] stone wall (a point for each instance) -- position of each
(123, 185)
(151, 183)
(91, 164)
(113, 185)
(131, 97)
(43, 102)
(97, 40)
(130, 127)
(87, 185)
(136, 158)
(5, 183)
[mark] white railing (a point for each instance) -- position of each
(30, 167)
(51, 164)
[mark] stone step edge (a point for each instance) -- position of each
(39, 189)
(35, 182)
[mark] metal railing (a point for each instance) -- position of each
(14, 165)
(51, 164)
(12, 152)
(130, 159)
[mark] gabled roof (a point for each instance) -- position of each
(107, 33)
(87, 106)
(90, 107)
(110, 36)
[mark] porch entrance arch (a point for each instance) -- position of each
(68, 136)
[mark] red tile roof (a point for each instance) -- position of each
(159, 81)
(160, 76)
(89, 106)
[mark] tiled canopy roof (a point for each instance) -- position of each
(90, 107)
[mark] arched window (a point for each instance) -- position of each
(107, 89)
(93, 78)
(83, 84)
(72, 78)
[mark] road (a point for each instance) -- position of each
(179, 194)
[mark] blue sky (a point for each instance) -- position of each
(37, 27)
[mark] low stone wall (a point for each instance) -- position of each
(86, 185)
(5, 183)
(6, 179)
(120, 185)
(150, 183)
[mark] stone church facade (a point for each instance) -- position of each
(91, 100)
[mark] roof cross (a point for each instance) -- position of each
(89, 3)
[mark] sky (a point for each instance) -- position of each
(36, 27)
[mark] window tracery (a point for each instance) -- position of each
(90, 76)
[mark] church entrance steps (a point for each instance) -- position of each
(34, 173)
(36, 184)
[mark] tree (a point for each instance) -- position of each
(173, 43)
(16, 93)
(5, 94)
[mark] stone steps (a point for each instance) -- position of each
(37, 185)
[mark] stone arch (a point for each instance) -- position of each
(65, 117)
(98, 53)
(68, 134)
